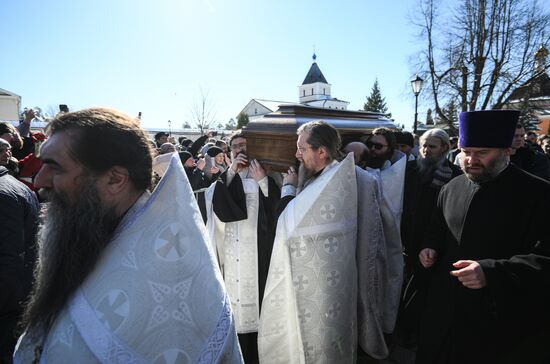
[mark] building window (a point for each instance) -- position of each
(312, 91)
(303, 92)
(255, 111)
(324, 91)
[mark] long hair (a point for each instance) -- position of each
(437, 133)
(389, 136)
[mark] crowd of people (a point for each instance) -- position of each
(392, 248)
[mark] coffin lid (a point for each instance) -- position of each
(289, 117)
(271, 139)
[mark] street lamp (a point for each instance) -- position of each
(417, 86)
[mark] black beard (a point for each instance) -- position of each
(70, 242)
(377, 161)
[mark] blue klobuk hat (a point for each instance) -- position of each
(487, 128)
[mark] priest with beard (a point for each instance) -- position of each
(388, 165)
(329, 243)
(424, 178)
(309, 310)
(240, 222)
(489, 249)
(122, 275)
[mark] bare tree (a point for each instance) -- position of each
(203, 113)
(51, 111)
(478, 52)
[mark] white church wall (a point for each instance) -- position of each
(254, 109)
(314, 91)
(9, 107)
(330, 104)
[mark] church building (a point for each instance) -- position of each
(535, 93)
(314, 91)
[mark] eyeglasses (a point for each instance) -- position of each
(238, 146)
(301, 150)
(376, 146)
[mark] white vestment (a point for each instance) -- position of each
(155, 296)
(392, 181)
(309, 310)
(371, 266)
(237, 247)
(161, 163)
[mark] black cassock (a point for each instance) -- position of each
(502, 224)
(229, 205)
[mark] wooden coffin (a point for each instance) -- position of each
(271, 139)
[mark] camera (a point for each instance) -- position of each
(247, 158)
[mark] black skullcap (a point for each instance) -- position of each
(184, 156)
(214, 151)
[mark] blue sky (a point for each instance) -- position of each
(156, 56)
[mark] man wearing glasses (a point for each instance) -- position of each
(241, 207)
(389, 164)
(381, 145)
(310, 303)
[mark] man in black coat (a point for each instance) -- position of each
(424, 178)
(489, 249)
(18, 221)
(197, 178)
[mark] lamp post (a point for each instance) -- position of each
(416, 86)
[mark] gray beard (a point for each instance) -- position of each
(489, 172)
(426, 167)
(70, 242)
(304, 175)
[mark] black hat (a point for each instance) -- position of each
(404, 137)
(214, 151)
(184, 156)
(487, 128)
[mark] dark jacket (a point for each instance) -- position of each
(419, 201)
(197, 145)
(198, 180)
(532, 161)
(18, 221)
